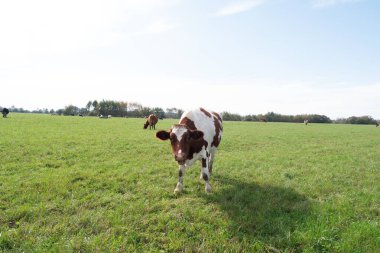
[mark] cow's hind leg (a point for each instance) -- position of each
(211, 160)
(206, 174)
(181, 173)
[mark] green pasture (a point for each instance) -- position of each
(73, 184)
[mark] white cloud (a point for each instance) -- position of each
(235, 8)
(327, 3)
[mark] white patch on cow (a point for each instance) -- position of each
(203, 123)
(179, 131)
(180, 151)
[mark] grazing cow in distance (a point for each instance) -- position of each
(151, 122)
(196, 137)
(377, 124)
(306, 121)
(5, 112)
(263, 120)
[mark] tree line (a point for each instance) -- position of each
(363, 120)
(108, 107)
(137, 110)
(300, 118)
(276, 117)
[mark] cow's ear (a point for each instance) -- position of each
(163, 135)
(195, 134)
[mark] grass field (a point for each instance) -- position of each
(72, 184)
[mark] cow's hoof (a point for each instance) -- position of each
(178, 189)
(208, 188)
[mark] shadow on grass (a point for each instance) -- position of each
(261, 212)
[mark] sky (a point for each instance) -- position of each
(243, 56)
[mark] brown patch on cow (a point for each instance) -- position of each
(188, 122)
(204, 164)
(218, 116)
(196, 147)
(218, 129)
(205, 112)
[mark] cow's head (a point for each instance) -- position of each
(146, 124)
(181, 138)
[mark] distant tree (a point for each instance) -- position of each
(71, 110)
(231, 116)
(88, 105)
(13, 109)
(134, 109)
(145, 111)
(173, 113)
(82, 111)
(315, 118)
(363, 120)
(179, 113)
(159, 112)
(251, 118)
(37, 111)
(59, 111)
(123, 108)
(95, 106)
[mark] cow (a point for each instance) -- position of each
(5, 112)
(263, 120)
(306, 121)
(151, 122)
(196, 137)
(377, 124)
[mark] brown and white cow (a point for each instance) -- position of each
(196, 137)
(151, 122)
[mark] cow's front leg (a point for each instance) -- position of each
(206, 174)
(181, 173)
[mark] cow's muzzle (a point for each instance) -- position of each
(180, 158)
